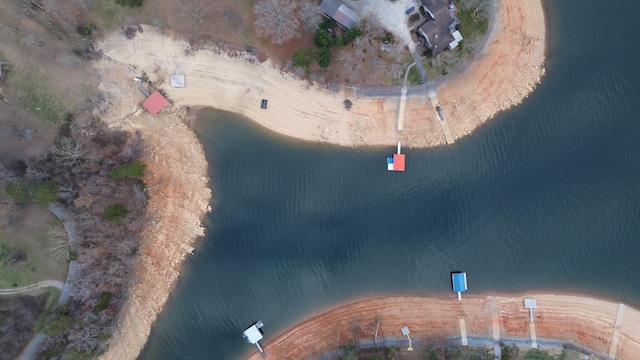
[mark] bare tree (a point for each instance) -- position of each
(355, 328)
(394, 71)
(62, 248)
(69, 152)
(199, 9)
(375, 322)
(360, 43)
(310, 15)
(278, 19)
(347, 61)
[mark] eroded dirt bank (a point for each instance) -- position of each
(583, 321)
(176, 179)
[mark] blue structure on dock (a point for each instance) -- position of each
(459, 281)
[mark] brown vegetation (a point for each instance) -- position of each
(277, 19)
(18, 314)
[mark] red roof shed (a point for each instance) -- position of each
(155, 103)
(398, 162)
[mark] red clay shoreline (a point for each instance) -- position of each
(581, 321)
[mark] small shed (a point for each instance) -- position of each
(396, 163)
(459, 280)
(341, 13)
(253, 335)
(155, 103)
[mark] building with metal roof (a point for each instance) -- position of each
(155, 102)
(396, 163)
(253, 335)
(459, 281)
(341, 13)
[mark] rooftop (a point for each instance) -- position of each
(155, 103)
(341, 13)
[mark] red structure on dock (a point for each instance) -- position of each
(396, 163)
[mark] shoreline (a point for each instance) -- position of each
(237, 82)
(610, 329)
(176, 166)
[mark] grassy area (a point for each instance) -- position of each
(474, 21)
(414, 76)
(35, 92)
(16, 269)
(25, 245)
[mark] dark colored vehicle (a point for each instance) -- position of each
(410, 10)
(264, 104)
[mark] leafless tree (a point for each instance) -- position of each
(62, 247)
(69, 152)
(394, 71)
(310, 15)
(355, 328)
(360, 43)
(347, 61)
(278, 19)
(375, 324)
(198, 9)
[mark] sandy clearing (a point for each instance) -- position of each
(582, 321)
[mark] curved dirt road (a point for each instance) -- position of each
(30, 288)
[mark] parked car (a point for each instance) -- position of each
(410, 10)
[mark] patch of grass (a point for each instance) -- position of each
(537, 354)
(53, 294)
(15, 273)
(130, 170)
(20, 190)
(77, 355)
(4, 250)
(103, 302)
(510, 352)
(473, 24)
(414, 76)
(58, 322)
(112, 14)
(45, 192)
(115, 213)
(36, 96)
(42, 193)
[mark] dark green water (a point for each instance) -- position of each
(544, 197)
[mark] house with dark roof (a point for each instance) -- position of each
(341, 13)
(439, 32)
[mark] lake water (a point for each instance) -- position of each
(544, 197)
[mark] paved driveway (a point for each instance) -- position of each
(388, 14)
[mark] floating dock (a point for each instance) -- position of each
(253, 335)
(396, 163)
(459, 280)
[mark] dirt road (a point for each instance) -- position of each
(33, 287)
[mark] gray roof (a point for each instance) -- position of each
(341, 13)
(436, 30)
